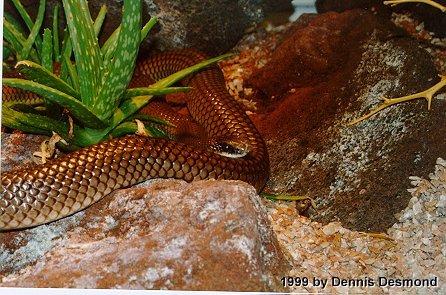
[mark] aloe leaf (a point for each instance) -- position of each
(73, 74)
(76, 108)
(66, 51)
(67, 48)
(36, 121)
(7, 51)
(85, 47)
(13, 119)
(147, 118)
(47, 50)
(185, 72)
(27, 19)
(86, 136)
(27, 108)
(132, 92)
(123, 62)
(25, 16)
(12, 40)
(15, 30)
(16, 39)
(100, 20)
(131, 128)
(110, 45)
(14, 22)
(146, 29)
(39, 74)
(34, 31)
(68, 71)
(83, 137)
(83, 5)
(130, 106)
(56, 46)
(108, 49)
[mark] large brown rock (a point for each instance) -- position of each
(333, 68)
(318, 47)
(207, 235)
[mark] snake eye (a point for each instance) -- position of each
(230, 149)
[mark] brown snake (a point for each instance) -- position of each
(43, 193)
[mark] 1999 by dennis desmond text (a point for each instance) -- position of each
(359, 282)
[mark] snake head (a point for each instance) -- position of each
(230, 149)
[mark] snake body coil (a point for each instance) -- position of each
(70, 183)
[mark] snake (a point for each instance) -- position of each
(230, 149)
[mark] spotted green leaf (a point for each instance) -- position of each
(56, 45)
(132, 92)
(131, 127)
(34, 31)
(7, 51)
(39, 74)
(28, 21)
(109, 47)
(85, 47)
(14, 22)
(16, 120)
(47, 50)
(16, 40)
(187, 71)
(74, 78)
(100, 19)
(123, 64)
(76, 108)
(151, 119)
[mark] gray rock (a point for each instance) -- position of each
(210, 26)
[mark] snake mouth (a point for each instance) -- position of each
(230, 149)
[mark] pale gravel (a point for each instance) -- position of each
(414, 247)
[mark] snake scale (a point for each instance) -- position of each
(233, 149)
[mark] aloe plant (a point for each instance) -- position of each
(92, 88)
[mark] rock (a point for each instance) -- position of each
(18, 148)
(433, 18)
(210, 26)
(206, 235)
(303, 60)
(332, 68)
(331, 228)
